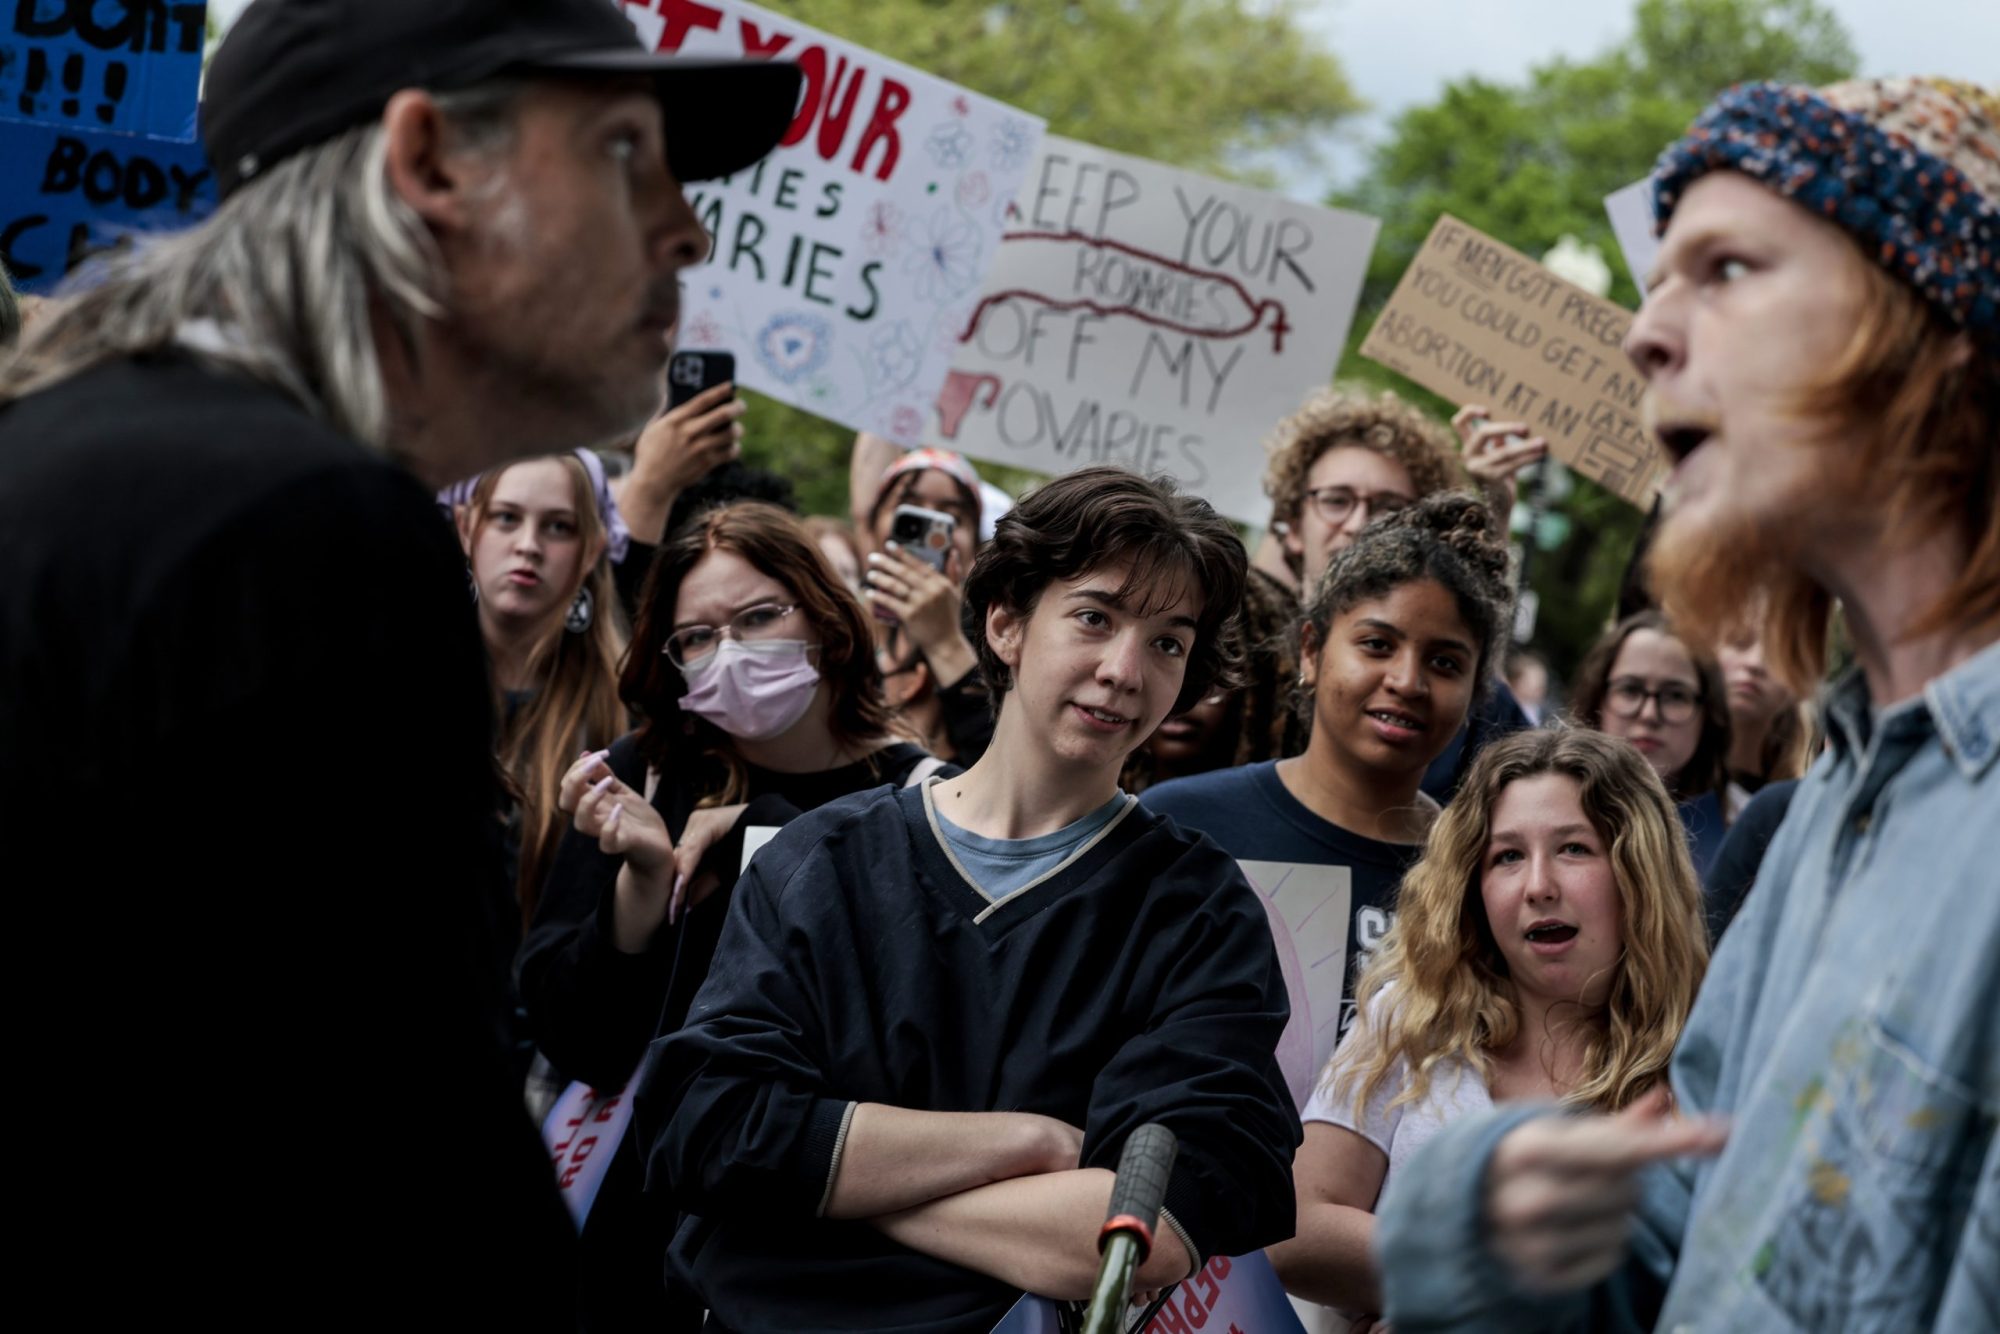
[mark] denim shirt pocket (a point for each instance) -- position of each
(1883, 1177)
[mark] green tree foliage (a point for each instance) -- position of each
(1532, 162)
(1203, 84)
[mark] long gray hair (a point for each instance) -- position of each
(279, 282)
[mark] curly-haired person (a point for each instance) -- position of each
(1548, 945)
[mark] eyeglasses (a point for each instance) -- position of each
(1335, 503)
(1627, 698)
(692, 643)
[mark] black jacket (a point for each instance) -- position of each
(256, 904)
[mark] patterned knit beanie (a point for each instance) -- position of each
(1909, 167)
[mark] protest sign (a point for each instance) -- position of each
(1479, 322)
(117, 66)
(582, 1133)
(1308, 907)
(848, 261)
(1631, 214)
(1228, 1296)
(66, 195)
(1143, 315)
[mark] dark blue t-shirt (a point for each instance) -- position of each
(1252, 816)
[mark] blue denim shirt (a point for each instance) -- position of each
(1849, 1027)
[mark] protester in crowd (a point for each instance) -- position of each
(448, 236)
(1737, 862)
(1642, 682)
(1547, 946)
(836, 542)
(1771, 736)
(1527, 675)
(540, 538)
(1404, 630)
(933, 672)
(724, 484)
(1022, 945)
(679, 447)
(753, 672)
(1822, 341)
(1337, 463)
(1231, 727)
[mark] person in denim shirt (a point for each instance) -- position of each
(1835, 425)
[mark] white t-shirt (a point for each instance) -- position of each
(1456, 1091)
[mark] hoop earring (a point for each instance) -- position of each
(581, 611)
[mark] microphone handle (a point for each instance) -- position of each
(1137, 1194)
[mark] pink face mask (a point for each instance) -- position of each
(753, 691)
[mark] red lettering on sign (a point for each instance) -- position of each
(757, 44)
(890, 103)
(833, 122)
(683, 17)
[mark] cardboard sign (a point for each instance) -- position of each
(110, 66)
(848, 261)
(1631, 214)
(1309, 908)
(1227, 1296)
(66, 195)
(1144, 315)
(1479, 322)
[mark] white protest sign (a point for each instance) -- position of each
(1308, 907)
(754, 839)
(1144, 315)
(1631, 214)
(847, 262)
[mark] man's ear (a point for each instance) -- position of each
(424, 171)
(1004, 630)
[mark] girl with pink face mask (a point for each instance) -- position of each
(753, 671)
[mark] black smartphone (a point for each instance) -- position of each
(690, 373)
(925, 534)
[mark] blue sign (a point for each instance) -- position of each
(66, 195)
(116, 66)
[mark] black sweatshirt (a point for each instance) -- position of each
(255, 893)
(1138, 983)
(593, 1009)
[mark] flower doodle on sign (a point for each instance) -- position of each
(882, 230)
(974, 189)
(702, 331)
(906, 423)
(1012, 143)
(950, 145)
(947, 261)
(896, 356)
(793, 345)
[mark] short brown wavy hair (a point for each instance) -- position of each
(1384, 423)
(1111, 516)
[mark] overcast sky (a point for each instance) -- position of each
(1400, 53)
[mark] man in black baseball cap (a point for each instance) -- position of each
(245, 723)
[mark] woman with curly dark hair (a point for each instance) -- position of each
(1393, 651)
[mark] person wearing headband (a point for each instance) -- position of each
(1821, 335)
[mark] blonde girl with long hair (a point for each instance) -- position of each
(1548, 945)
(538, 536)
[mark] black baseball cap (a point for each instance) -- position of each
(294, 73)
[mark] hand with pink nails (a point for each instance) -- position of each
(705, 828)
(625, 825)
